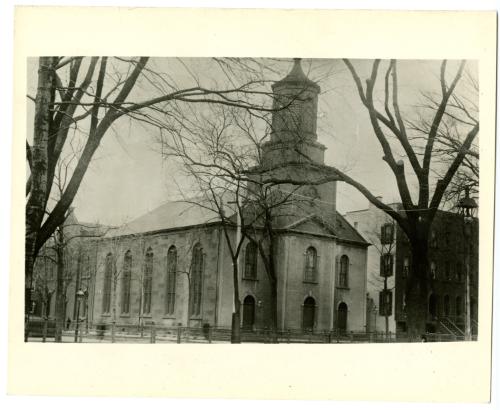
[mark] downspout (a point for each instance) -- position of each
(218, 278)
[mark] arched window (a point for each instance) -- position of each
(308, 311)
(446, 305)
(108, 276)
(406, 266)
(196, 280)
(342, 317)
(311, 265)
(250, 261)
(459, 306)
(171, 279)
(433, 270)
(344, 272)
(248, 312)
(126, 281)
(148, 282)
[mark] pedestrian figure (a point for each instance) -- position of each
(68, 323)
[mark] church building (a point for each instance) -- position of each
(172, 265)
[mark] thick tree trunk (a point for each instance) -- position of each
(417, 290)
(274, 310)
(39, 164)
(235, 322)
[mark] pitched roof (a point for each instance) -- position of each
(183, 214)
(338, 227)
(170, 215)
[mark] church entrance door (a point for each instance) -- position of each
(248, 313)
(308, 314)
(342, 318)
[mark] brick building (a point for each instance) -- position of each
(172, 265)
(390, 257)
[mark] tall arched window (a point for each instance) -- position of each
(126, 281)
(446, 305)
(171, 279)
(458, 306)
(308, 311)
(344, 272)
(148, 282)
(196, 280)
(108, 276)
(311, 265)
(250, 261)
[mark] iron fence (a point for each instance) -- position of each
(157, 333)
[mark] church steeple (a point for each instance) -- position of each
(293, 134)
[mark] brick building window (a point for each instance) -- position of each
(386, 264)
(385, 302)
(171, 280)
(433, 240)
(406, 266)
(148, 282)
(446, 305)
(344, 272)
(387, 234)
(126, 281)
(250, 261)
(459, 303)
(311, 265)
(196, 280)
(447, 270)
(433, 271)
(108, 277)
(433, 305)
(459, 274)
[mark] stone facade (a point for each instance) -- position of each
(321, 260)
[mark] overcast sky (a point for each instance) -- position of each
(128, 176)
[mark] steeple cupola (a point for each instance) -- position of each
(293, 134)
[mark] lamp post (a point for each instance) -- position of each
(467, 207)
(80, 294)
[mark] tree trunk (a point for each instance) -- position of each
(417, 289)
(39, 163)
(274, 310)
(235, 322)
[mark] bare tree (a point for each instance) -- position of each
(98, 92)
(392, 132)
(221, 152)
(390, 127)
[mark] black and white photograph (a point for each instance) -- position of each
(252, 204)
(251, 200)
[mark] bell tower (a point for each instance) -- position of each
(294, 121)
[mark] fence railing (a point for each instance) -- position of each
(157, 333)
